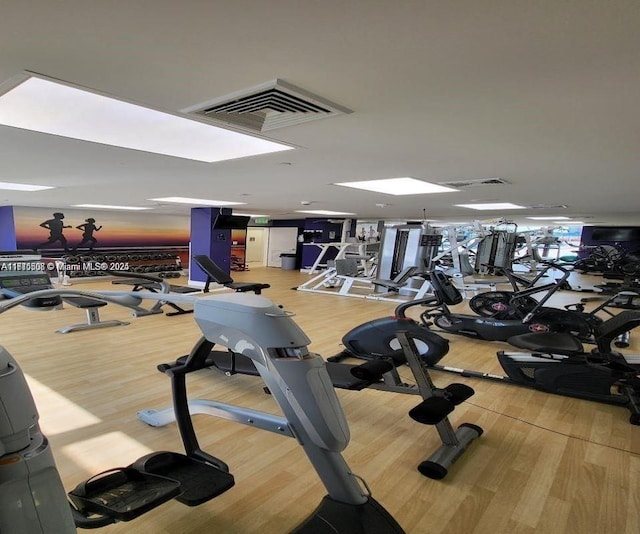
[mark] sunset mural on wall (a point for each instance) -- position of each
(117, 229)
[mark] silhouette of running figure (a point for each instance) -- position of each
(87, 233)
(55, 227)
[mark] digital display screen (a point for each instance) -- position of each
(231, 222)
(26, 280)
(611, 233)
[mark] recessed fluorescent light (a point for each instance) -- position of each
(109, 207)
(492, 206)
(24, 187)
(56, 108)
(324, 212)
(398, 186)
(198, 201)
(569, 223)
(549, 218)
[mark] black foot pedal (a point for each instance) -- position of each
(458, 393)
(123, 493)
(199, 481)
(432, 410)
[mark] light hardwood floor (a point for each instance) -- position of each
(545, 463)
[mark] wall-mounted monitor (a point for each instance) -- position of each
(615, 233)
(231, 222)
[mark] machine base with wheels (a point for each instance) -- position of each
(332, 516)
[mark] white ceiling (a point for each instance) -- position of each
(545, 94)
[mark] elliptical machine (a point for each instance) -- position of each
(517, 303)
(516, 313)
(558, 364)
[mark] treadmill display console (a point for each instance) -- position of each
(16, 284)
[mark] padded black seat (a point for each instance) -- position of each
(155, 284)
(84, 302)
(139, 284)
(91, 306)
(548, 342)
(566, 344)
(217, 275)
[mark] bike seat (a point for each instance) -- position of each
(548, 343)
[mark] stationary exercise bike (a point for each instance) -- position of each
(558, 362)
(32, 499)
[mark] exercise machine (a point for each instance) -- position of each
(496, 248)
(458, 247)
(519, 302)
(17, 283)
(343, 278)
(254, 327)
(405, 246)
(558, 362)
(217, 275)
(379, 373)
(524, 314)
(154, 284)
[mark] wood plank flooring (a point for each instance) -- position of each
(545, 463)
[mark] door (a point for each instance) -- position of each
(256, 246)
(280, 240)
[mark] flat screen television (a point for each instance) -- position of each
(231, 222)
(615, 233)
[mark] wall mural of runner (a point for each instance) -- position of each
(78, 230)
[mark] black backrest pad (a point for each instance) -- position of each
(212, 270)
(443, 287)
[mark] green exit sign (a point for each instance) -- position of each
(261, 220)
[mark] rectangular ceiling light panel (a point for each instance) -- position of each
(324, 212)
(399, 186)
(549, 218)
(54, 108)
(492, 206)
(24, 187)
(196, 201)
(109, 207)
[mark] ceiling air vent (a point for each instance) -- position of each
(268, 106)
(475, 183)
